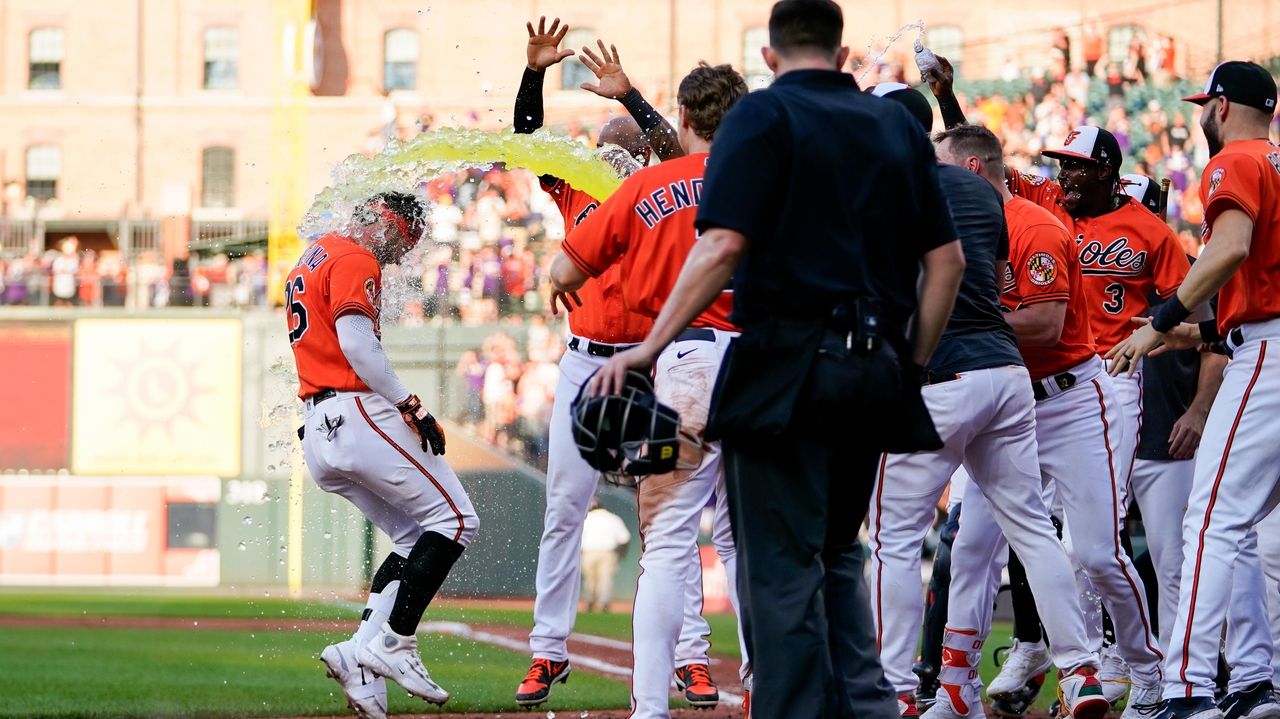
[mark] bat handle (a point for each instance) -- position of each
(1164, 198)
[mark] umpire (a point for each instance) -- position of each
(822, 210)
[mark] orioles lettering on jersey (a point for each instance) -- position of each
(1117, 258)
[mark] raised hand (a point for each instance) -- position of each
(544, 44)
(941, 79)
(607, 68)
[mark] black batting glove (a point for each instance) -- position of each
(429, 431)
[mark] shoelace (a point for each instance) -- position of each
(698, 674)
(540, 671)
(1001, 654)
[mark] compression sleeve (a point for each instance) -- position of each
(952, 115)
(363, 350)
(528, 112)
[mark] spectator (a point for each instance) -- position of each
(604, 542)
(65, 273)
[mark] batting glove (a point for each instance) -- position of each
(429, 431)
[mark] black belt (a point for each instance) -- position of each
(1065, 381)
(697, 334)
(1237, 336)
(596, 349)
(321, 396)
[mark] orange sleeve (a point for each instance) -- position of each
(1169, 264)
(1036, 188)
(602, 237)
(355, 283)
(1235, 183)
(1042, 273)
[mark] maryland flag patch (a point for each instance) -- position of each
(1216, 179)
(1042, 269)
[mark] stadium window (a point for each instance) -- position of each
(191, 526)
(1118, 38)
(218, 177)
(44, 166)
(754, 70)
(221, 58)
(573, 72)
(47, 45)
(400, 60)
(947, 41)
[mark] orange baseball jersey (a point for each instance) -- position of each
(646, 230)
(335, 277)
(1043, 267)
(603, 316)
(1245, 176)
(1124, 256)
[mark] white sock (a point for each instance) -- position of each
(376, 611)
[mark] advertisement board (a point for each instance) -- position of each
(35, 380)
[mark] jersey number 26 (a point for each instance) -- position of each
(293, 289)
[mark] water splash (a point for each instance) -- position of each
(404, 166)
(876, 57)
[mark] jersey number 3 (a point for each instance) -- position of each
(293, 290)
(1115, 301)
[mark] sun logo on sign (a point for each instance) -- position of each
(156, 387)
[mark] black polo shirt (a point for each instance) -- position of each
(837, 192)
(977, 335)
(1169, 384)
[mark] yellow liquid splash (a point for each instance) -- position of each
(402, 166)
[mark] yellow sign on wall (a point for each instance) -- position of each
(157, 397)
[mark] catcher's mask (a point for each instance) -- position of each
(627, 435)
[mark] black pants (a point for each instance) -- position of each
(797, 501)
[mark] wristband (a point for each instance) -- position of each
(640, 109)
(1170, 315)
(1209, 332)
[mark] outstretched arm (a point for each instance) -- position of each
(543, 52)
(614, 84)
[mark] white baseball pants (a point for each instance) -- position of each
(571, 483)
(987, 420)
(357, 446)
(1236, 480)
(1161, 489)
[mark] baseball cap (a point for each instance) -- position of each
(1089, 143)
(1239, 81)
(1143, 189)
(912, 99)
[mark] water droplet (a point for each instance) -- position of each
(247, 520)
(241, 546)
(328, 535)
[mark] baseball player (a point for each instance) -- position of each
(368, 439)
(599, 326)
(978, 393)
(1236, 482)
(646, 229)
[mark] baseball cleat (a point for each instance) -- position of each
(952, 699)
(1193, 708)
(907, 706)
(1016, 704)
(395, 657)
(1023, 661)
(699, 688)
(366, 692)
(746, 696)
(1256, 701)
(543, 673)
(1080, 695)
(1114, 675)
(1144, 702)
(928, 687)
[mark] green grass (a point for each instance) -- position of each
(71, 604)
(213, 673)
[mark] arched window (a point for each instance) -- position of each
(574, 73)
(45, 51)
(218, 177)
(44, 167)
(947, 41)
(400, 60)
(221, 58)
(754, 71)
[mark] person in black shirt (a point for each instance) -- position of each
(822, 213)
(978, 392)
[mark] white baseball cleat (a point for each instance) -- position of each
(366, 692)
(1114, 675)
(1080, 695)
(1144, 702)
(967, 705)
(395, 657)
(1023, 661)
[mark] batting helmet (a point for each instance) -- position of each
(626, 435)
(1143, 189)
